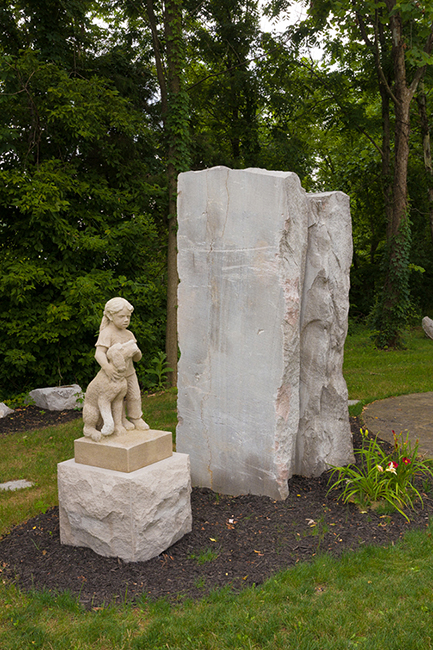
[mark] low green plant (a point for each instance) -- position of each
(159, 370)
(206, 555)
(21, 400)
(382, 477)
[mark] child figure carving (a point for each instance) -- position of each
(113, 329)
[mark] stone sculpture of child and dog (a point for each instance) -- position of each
(116, 382)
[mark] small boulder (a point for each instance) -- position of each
(427, 325)
(5, 410)
(15, 485)
(58, 398)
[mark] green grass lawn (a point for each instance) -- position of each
(373, 374)
(372, 599)
(34, 456)
(375, 598)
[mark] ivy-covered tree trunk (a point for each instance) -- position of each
(394, 300)
(425, 133)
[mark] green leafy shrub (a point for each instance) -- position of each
(157, 373)
(382, 477)
(80, 221)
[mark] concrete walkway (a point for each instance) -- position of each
(411, 414)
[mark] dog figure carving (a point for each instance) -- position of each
(103, 410)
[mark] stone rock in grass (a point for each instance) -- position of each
(427, 325)
(20, 484)
(5, 410)
(57, 398)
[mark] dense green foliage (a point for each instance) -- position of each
(102, 103)
(79, 203)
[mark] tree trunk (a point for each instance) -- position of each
(170, 86)
(173, 34)
(403, 97)
(425, 132)
(395, 299)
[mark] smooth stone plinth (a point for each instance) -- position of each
(125, 453)
(134, 516)
(263, 302)
(58, 398)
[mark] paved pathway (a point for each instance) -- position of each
(411, 414)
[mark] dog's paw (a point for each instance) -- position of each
(128, 425)
(141, 424)
(107, 429)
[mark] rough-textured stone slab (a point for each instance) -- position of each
(248, 241)
(15, 485)
(125, 453)
(5, 410)
(324, 432)
(427, 325)
(57, 398)
(134, 516)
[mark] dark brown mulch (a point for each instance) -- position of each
(246, 538)
(32, 417)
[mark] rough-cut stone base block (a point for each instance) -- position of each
(125, 453)
(134, 516)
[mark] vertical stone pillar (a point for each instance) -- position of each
(242, 240)
(324, 432)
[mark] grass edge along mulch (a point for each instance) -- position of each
(235, 542)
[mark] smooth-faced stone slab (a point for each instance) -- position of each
(57, 398)
(134, 516)
(242, 244)
(15, 485)
(256, 303)
(125, 453)
(427, 325)
(5, 410)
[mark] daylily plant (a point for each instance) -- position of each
(371, 483)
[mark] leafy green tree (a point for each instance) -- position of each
(158, 25)
(395, 40)
(223, 84)
(79, 202)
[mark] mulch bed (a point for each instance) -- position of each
(32, 417)
(247, 539)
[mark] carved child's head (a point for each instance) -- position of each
(117, 310)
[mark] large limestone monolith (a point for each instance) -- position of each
(263, 300)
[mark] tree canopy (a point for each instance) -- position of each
(102, 104)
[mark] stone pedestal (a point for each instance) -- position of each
(132, 515)
(126, 453)
(263, 303)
